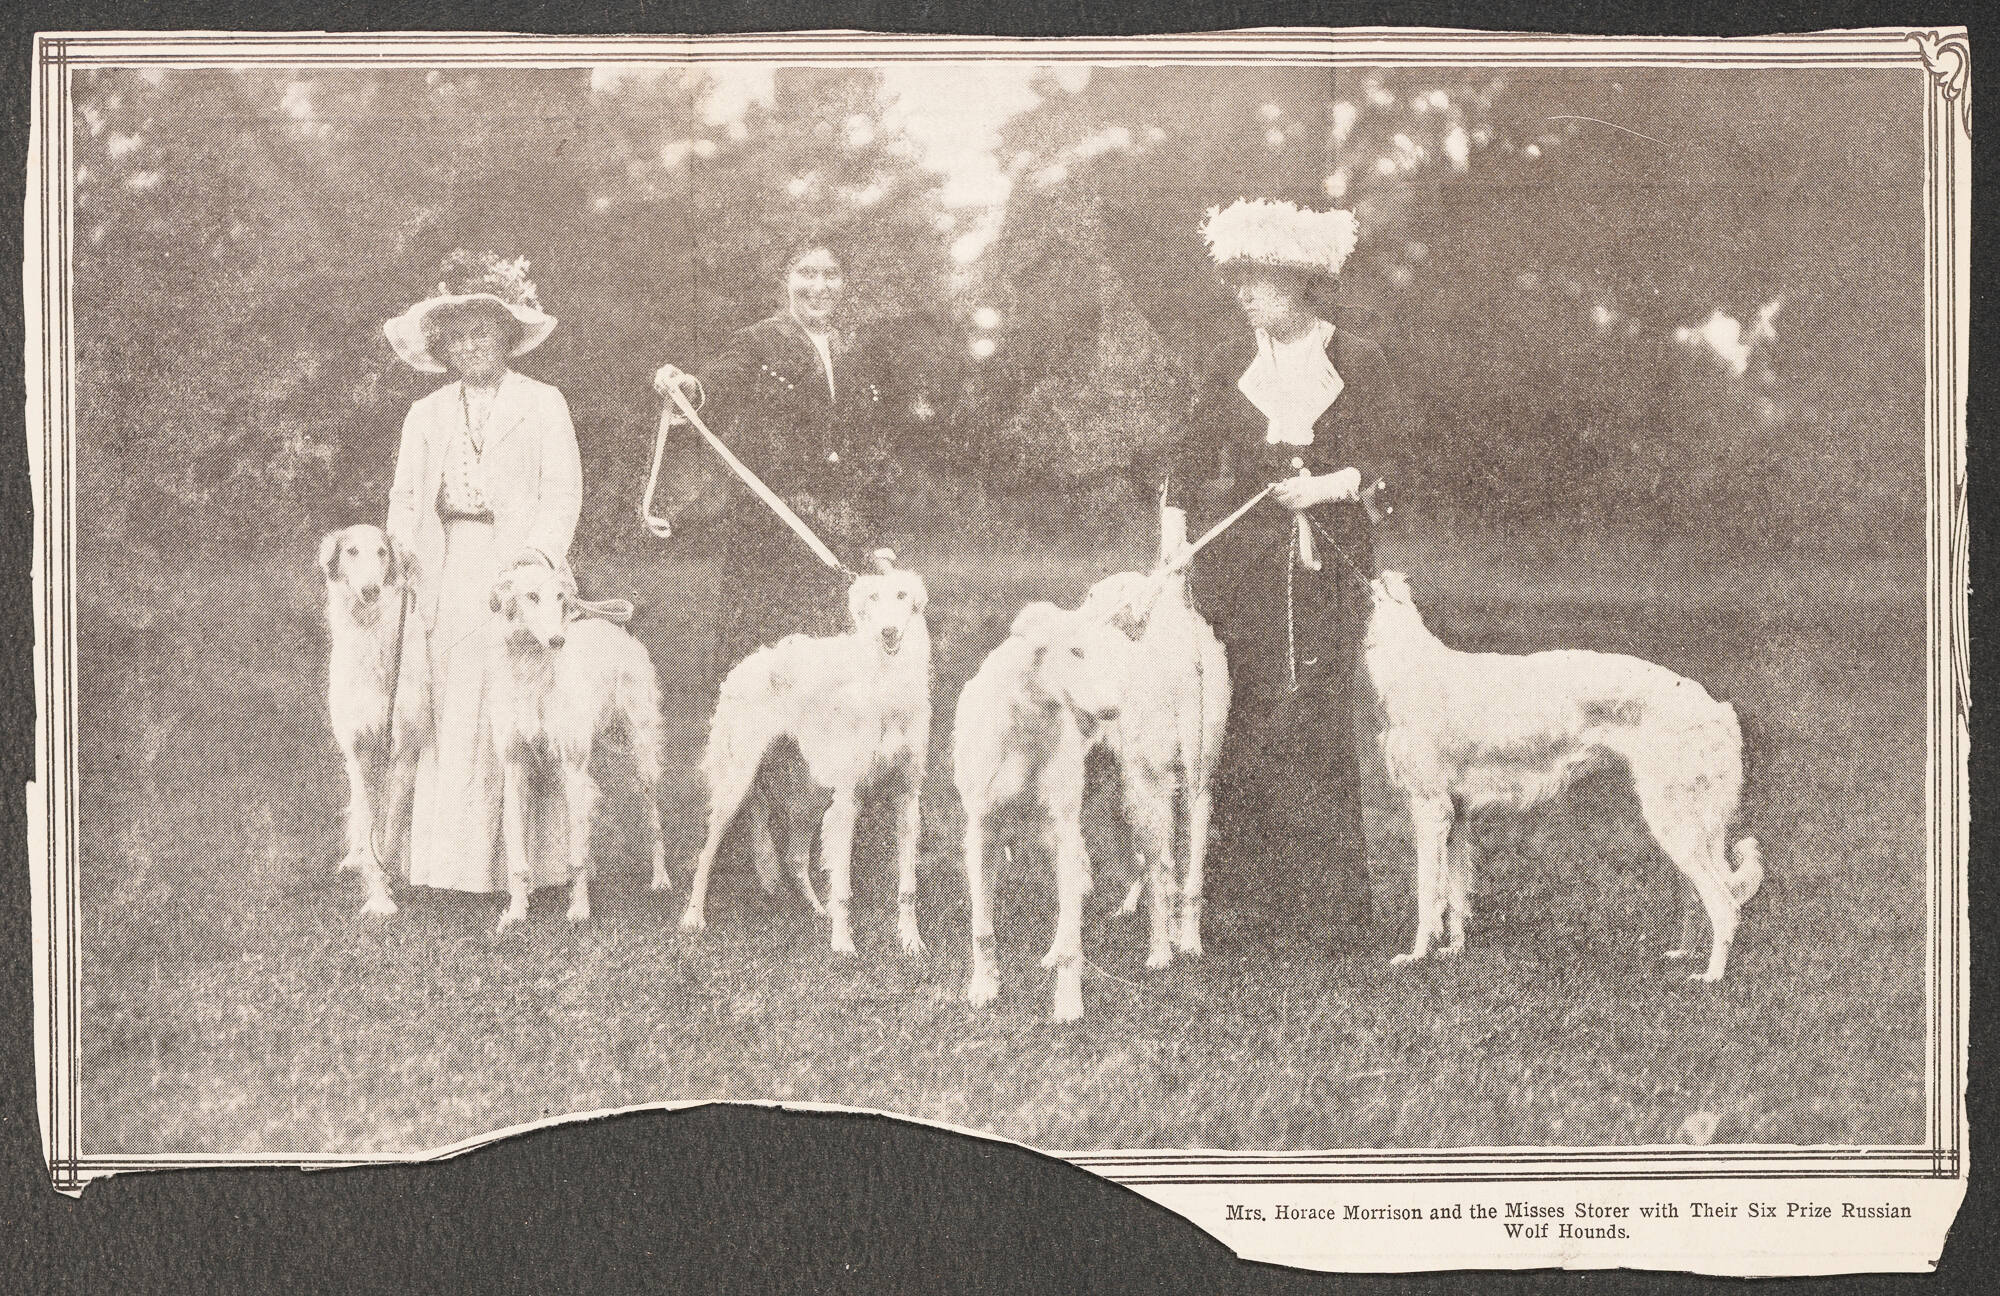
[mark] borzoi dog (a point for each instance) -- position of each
(367, 673)
(559, 680)
(1173, 710)
(1465, 730)
(1024, 725)
(858, 706)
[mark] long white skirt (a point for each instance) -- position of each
(455, 840)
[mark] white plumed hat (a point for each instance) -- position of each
(1280, 234)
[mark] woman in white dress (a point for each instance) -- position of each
(488, 477)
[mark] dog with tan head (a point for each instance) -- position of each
(562, 678)
(377, 694)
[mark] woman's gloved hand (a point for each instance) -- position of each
(1304, 492)
(668, 377)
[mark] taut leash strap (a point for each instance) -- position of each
(749, 478)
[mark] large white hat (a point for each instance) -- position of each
(1284, 234)
(472, 277)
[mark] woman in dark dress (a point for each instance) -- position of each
(1310, 407)
(799, 402)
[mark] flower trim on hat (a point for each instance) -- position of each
(468, 274)
(1280, 234)
(470, 277)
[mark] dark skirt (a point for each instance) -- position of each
(1288, 788)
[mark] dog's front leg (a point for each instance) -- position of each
(1065, 799)
(360, 813)
(394, 826)
(1430, 824)
(909, 831)
(580, 791)
(1199, 804)
(1149, 805)
(836, 844)
(985, 984)
(1072, 884)
(514, 834)
(1459, 859)
(662, 881)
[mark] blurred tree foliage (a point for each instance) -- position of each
(243, 235)
(1553, 259)
(1540, 254)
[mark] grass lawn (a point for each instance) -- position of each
(235, 1000)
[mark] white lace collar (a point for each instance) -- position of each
(1292, 383)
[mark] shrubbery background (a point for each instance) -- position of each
(1555, 261)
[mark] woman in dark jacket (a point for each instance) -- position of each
(1311, 408)
(799, 402)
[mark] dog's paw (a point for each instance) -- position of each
(1706, 978)
(843, 944)
(694, 920)
(1403, 960)
(1160, 956)
(350, 862)
(1069, 1006)
(1676, 955)
(380, 905)
(1130, 903)
(913, 944)
(983, 990)
(661, 881)
(1189, 944)
(511, 918)
(1453, 950)
(579, 912)
(1049, 959)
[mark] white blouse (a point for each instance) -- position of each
(1292, 383)
(823, 343)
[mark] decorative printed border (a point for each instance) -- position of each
(1944, 59)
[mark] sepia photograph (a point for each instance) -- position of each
(1213, 597)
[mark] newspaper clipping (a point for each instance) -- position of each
(1360, 631)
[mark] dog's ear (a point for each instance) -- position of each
(503, 592)
(392, 570)
(1037, 623)
(1123, 603)
(329, 555)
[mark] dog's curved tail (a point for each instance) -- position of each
(1746, 855)
(1748, 873)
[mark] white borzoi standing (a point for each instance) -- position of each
(1465, 730)
(368, 672)
(858, 705)
(1173, 710)
(1023, 727)
(559, 680)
